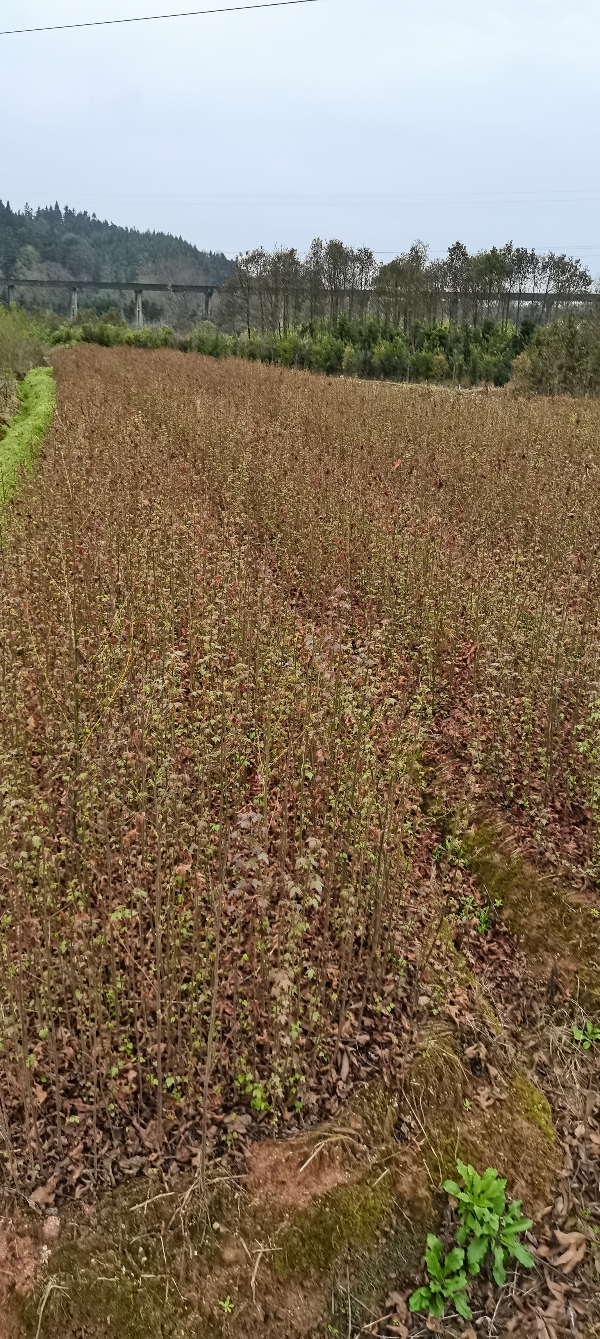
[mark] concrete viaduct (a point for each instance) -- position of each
(136, 286)
(140, 286)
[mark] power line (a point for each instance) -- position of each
(151, 18)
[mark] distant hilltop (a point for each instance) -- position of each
(55, 243)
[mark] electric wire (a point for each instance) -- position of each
(151, 18)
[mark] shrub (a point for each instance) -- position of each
(22, 340)
(563, 358)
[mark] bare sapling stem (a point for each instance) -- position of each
(217, 903)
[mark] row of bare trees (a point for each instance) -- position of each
(272, 291)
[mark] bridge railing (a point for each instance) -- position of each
(136, 286)
(505, 301)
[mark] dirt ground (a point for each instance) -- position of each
(322, 1233)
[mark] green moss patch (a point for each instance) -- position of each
(22, 437)
(535, 1107)
(552, 927)
(452, 1107)
(350, 1215)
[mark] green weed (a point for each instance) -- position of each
(37, 394)
(447, 1281)
(587, 1035)
(487, 1229)
(487, 1226)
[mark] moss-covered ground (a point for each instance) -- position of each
(554, 926)
(22, 437)
(241, 1258)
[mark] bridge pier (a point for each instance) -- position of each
(9, 286)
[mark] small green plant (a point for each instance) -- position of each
(447, 1281)
(586, 1036)
(226, 1305)
(487, 1226)
(481, 915)
(252, 1087)
(452, 851)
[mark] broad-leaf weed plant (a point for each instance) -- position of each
(587, 1035)
(486, 1224)
(487, 1228)
(447, 1281)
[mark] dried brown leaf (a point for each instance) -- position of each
(557, 1289)
(574, 1253)
(45, 1195)
(399, 1301)
(569, 1238)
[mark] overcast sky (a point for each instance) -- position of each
(377, 121)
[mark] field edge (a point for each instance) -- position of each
(37, 394)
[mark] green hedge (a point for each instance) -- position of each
(22, 340)
(562, 358)
(436, 352)
(22, 437)
(108, 335)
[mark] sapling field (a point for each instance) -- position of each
(261, 634)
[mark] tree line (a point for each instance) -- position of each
(274, 291)
(55, 243)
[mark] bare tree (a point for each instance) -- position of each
(278, 290)
(313, 271)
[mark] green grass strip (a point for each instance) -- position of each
(18, 446)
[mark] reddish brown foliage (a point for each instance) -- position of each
(237, 608)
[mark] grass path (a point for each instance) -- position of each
(21, 439)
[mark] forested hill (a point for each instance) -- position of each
(54, 243)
